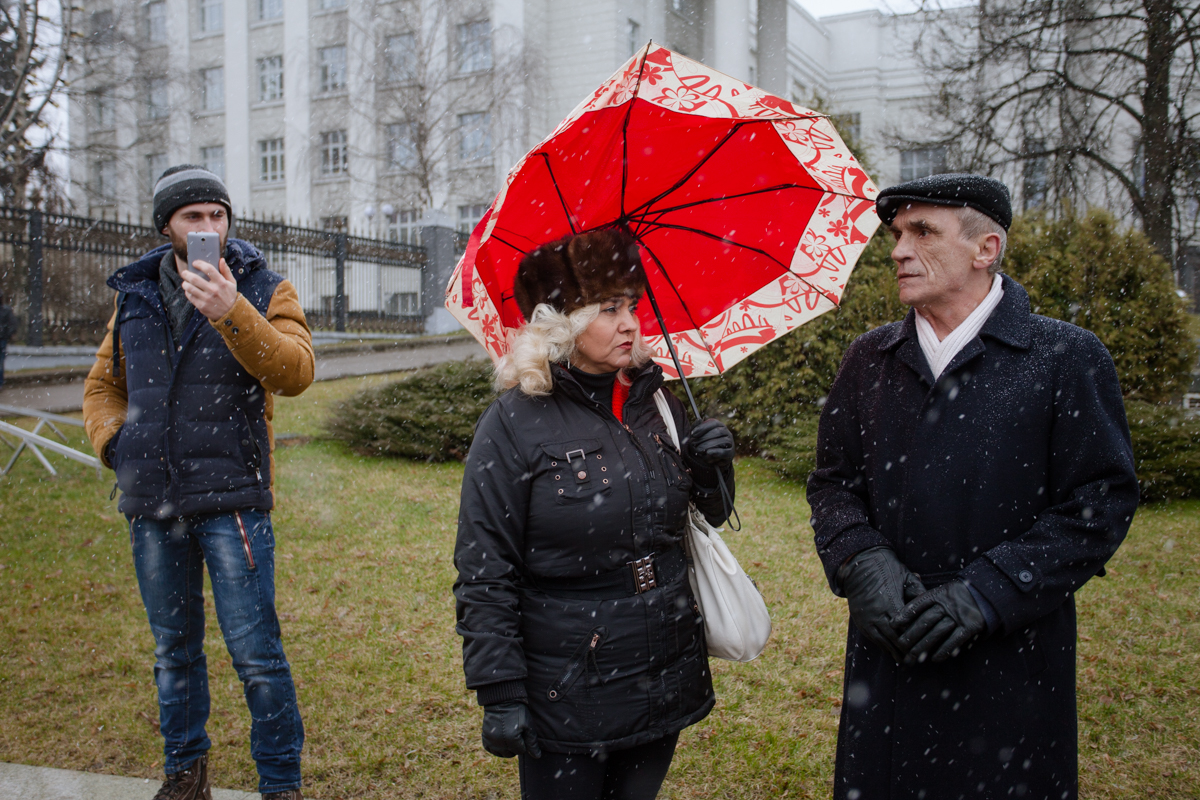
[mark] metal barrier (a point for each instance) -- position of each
(59, 264)
(35, 443)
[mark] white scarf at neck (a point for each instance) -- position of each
(941, 353)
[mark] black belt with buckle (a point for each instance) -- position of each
(636, 577)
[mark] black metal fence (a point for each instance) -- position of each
(53, 269)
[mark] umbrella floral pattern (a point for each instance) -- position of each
(750, 211)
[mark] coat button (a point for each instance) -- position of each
(581, 475)
(235, 331)
(246, 442)
(228, 322)
(1025, 575)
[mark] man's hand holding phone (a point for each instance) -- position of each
(211, 289)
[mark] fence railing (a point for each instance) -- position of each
(53, 269)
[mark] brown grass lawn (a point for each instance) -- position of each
(364, 575)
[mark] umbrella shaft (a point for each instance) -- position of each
(726, 500)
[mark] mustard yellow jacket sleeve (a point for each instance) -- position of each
(105, 398)
(275, 348)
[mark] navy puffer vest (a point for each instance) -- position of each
(195, 436)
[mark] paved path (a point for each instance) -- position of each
(63, 398)
(19, 782)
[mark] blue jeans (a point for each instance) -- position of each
(239, 548)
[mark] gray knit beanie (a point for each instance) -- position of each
(183, 185)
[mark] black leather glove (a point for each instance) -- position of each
(508, 731)
(877, 586)
(710, 443)
(939, 623)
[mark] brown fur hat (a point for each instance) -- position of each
(576, 271)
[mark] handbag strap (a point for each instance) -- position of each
(664, 411)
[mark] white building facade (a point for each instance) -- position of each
(373, 115)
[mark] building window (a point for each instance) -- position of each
(212, 15)
(212, 89)
(269, 9)
(106, 180)
(401, 146)
(156, 165)
(327, 4)
(633, 35)
(403, 304)
(270, 165)
(474, 137)
(1035, 175)
(334, 155)
(922, 162)
(400, 52)
(849, 124)
(106, 110)
(103, 29)
(469, 216)
(158, 99)
(475, 46)
(333, 68)
(156, 22)
(404, 226)
(213, 160)
(270, 79)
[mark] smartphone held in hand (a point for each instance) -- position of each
(204, 246)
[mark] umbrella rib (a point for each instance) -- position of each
(715, 237)
(687, 176)
(625, 126)
(645, 215)
(508, 244)
(670, 282)
(561, 199)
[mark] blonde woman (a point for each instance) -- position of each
(580, 634)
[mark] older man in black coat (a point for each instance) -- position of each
(974, 470)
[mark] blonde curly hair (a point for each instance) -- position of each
(548, 338)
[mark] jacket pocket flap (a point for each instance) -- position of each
(559, 450)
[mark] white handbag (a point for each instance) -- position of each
(736, 621)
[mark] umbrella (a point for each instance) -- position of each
(749, 211)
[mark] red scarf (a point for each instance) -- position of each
(620, 395)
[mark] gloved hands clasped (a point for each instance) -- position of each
(939, 623)
(710, 444)
(891, 608)
(877, 586)
(508, 731)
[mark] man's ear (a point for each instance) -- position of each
(986, 251)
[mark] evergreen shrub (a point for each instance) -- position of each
(1166, 450)
(428, 415)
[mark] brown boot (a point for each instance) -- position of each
(187, 784)
(290, 794)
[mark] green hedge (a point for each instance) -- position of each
(428, 415)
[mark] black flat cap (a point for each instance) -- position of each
(979, 192)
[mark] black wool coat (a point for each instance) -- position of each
(1014, 472)
(597, 674)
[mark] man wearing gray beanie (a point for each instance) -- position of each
(179, 405)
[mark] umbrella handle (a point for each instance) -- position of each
(726, 500)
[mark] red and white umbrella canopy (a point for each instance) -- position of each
(750, 212)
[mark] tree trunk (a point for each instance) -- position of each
(1159, 145)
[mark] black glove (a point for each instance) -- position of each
(710, 443)
(508, 731)
(877, 586)
(939, 623)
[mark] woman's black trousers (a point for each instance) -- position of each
(632, 774)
